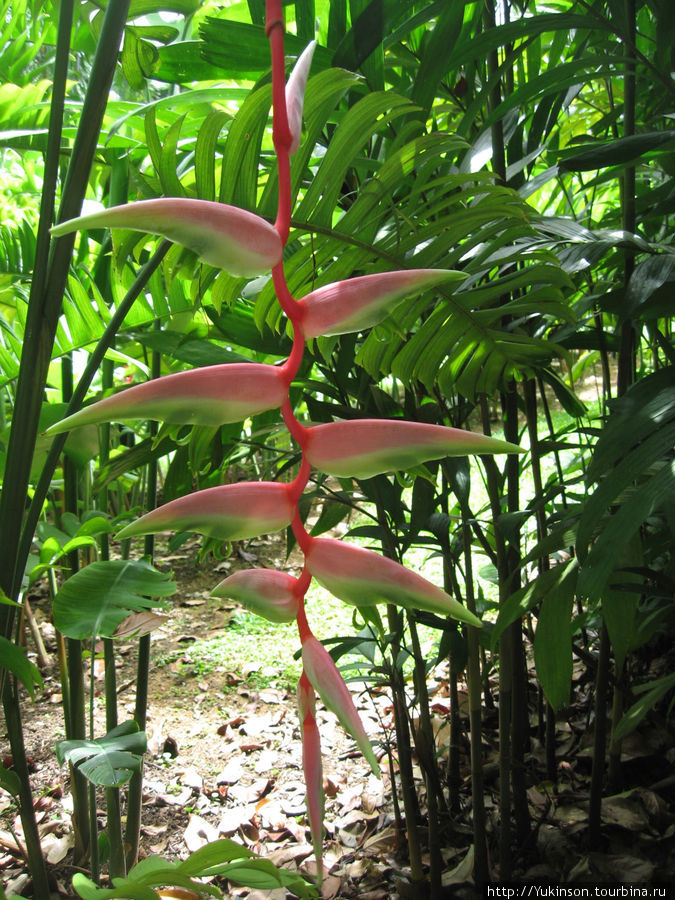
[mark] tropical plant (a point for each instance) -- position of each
(556, 261)
(244, 244)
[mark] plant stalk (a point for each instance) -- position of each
(481, 871)
(135, 795)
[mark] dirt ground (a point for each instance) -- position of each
(224, 753)
(224, 758)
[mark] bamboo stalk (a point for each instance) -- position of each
(599, 741)
(135, 794)
(117, 863)
(426, 753)
(31, 835)
(481, 871)
(406, 778)
(48, 283)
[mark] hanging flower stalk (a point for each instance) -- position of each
(245, 245)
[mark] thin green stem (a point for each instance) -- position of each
(135, 795)
(38, 871)
(44, 305)
(91, 369)
(481, 871)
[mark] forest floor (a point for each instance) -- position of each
(224, 760)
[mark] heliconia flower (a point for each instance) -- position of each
(228, 512)
(212, 395)
(362, 577)
(330, 686)
(365, 447)
(224, 236)
(311, 764)
(295, 94)
(358, 303)
(264, 591)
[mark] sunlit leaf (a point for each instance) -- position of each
(100, 596)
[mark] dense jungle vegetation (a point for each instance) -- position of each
(528, 146)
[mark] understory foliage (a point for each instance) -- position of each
(512, 163)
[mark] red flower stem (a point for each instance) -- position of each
(303, 582)
(298, 431)
(274, 29)
(282, 138)
(287, 302)
(299, 483)
(281, 132)
(302, 536)
(303, 625)
(283, 220)
(292, 364)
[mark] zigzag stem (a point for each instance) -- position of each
(281, 133)
(281, 136)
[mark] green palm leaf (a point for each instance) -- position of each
(100, 596)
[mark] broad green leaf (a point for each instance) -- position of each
(525, 27)
(216, 853)
(559, 579)
(222, 857)
(240, 169)
(635, 464)
(10, 781)
(168, 161)
(259, 874)
(620, 527)
(138, 8)
(242, 51)
(184, 63)
(368, 116)
(648, 276)
(622, 151)
(439, 43)
(109, 761)
(553, 644)
(14, 659)
(100, 596)
(369, 29)
(305, 19)
(652, 692)
(205, 153)
(332, 513)
(646, 407)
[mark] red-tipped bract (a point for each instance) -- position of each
(213, 395)
(359, 303)
(267, 592)
(330, 686)
(365, 447)
(362, 577)
(228, 512)
(224, 236)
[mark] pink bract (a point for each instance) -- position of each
(213, 395)
(295, 94)
(359, 303)
(311, 764)
(366, 447)
(228, 512)
(330, 686)
(223, 236)
(267, 592)
(362, 577)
